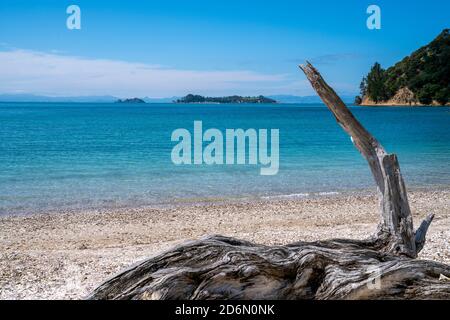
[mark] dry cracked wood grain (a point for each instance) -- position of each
(381, 267)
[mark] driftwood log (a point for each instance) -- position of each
(381, 267)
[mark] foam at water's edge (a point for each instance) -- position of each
(301, 195)
(283, 196)
(328, 193)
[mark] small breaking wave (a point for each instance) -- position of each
(328, 193)
(300, 195)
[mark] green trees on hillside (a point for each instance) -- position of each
(426, 72)
(442, 96)
(376, 89)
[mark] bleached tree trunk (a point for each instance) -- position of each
(395, 232)
(381, 267)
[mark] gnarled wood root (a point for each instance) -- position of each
(219, 267)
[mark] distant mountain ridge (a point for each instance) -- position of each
(87, 99)
(306, 99)
(130, 100)
(161, 100)
(111, 99)
(41, 98)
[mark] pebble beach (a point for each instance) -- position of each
(65, 255)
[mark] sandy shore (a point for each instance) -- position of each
(65, 255)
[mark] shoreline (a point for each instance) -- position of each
(183, 202)
(66, 255)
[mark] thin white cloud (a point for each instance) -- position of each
(61, 75)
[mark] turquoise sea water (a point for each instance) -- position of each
(71, 156)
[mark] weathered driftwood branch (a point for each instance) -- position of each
(422, 231)
(396, 227)
(225, 268)
(382, 267)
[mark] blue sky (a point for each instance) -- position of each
(165, 48)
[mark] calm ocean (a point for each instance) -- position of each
(72, 156)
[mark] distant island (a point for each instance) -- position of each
(192, 98)
(131, 100)
(281, 98)
(419, 79)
